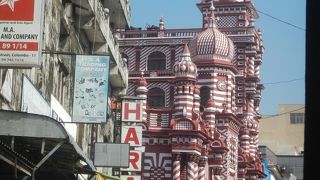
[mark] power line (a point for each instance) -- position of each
(288, 112)
(285, 22)
(286, 81)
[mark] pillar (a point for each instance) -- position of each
(176, 166)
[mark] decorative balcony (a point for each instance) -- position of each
(159, 118)
(174, 33)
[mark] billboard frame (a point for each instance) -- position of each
(112, 165)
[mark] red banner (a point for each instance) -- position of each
(16, 10)
(19, 46)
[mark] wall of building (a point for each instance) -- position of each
(67, 32)
(281, 135)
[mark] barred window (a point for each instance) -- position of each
(156, 61)
(205, 96)
(296, 118)
(184, 125)
(156, 98)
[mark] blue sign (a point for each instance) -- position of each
(91, 89)
(266, 170)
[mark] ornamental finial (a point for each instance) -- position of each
(212, 18)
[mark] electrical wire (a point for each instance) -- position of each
(286, 81)
(280, 20)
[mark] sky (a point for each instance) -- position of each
(283, 69)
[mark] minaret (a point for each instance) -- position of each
(161, 28)
(186, 73)
(161, 24)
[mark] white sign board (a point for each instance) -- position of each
(131, 111)
(20, 32)
(6, 89)
(135, 161)
(32, 100)
(130, 177)
(60, 114)
(131, 135)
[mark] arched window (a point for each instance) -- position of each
(156, 61)
(204, 97)
(156, 98)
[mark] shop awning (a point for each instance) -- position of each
(34, 142)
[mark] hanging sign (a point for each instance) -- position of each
(20, 32)
(90, 101)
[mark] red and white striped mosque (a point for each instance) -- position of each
(201, 89)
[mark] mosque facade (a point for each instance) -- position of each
(201, 91)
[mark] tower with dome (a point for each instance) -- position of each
(201, 92)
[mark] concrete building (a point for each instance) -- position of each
(201, 89)
(71, 27)
(284, 132)
(283, 135)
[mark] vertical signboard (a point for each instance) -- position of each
(20, 32)
(91, 89)
(32, 101)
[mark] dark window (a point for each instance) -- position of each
(296, 118)
(156, 98)
(205, 96)
(156, 61)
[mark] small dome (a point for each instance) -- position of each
(185, 68)
(211, 43)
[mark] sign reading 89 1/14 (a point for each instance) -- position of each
(26, 46)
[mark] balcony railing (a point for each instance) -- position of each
(159, 118)
(161, 73)
(155, 33)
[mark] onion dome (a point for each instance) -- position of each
(185, 68)
(210, 43)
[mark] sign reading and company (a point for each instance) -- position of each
(20, 32)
